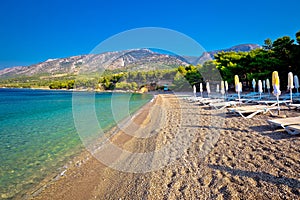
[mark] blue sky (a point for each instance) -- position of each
(33, 31)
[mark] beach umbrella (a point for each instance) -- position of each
(253, 84)
(241, 87)
(276, 87)
(194, 90)
(201, 88)
(260, 87)
(264, 85)
(207, 88)
(226, 86)
(237, 85)
(222, 87)
(296, 81)
(290, 84)
(268, 86)
(218, 88)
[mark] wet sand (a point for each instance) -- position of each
(226, 157)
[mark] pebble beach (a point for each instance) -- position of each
(224, 157)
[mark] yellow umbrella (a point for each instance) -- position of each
(276, 87)
(236, 83)
(275, 83)
(274, 76)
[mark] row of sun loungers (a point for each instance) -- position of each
(291, 125)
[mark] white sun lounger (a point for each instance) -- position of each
(248, 112)
(208, 101)
(245, 100)
(193, 99)
(222, 105)
(203, 99)
(293, 129)
(274, 102)
(293, 105)
(283, 122)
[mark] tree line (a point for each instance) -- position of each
(281, 55)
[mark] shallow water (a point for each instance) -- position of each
(38, 134)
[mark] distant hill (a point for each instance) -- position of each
(210, 54)
(134, 59)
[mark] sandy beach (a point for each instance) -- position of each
(220, 156)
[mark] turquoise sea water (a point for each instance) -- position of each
(38, 135)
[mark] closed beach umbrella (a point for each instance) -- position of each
(218, 88)
(222, 87)
(276, 87)
(274, 78)
(201, 88)
(241, 87)
(264, 85)
(194, 90)
(253, 84)
(260, 87)
(275, 84)
(226, 86)
(237, 85)
(290, 84)
(207, 88)
(296, 81)
(268, 85)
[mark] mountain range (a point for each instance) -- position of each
(133, 59)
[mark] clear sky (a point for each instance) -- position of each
(33, 31)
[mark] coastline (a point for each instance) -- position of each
(248, 160)
(59, 165)
(77, 160)
(80, 90)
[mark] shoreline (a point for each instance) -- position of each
(70, 90)
(249, 160)
(82, 90)
(64, 162)
(77, 160)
